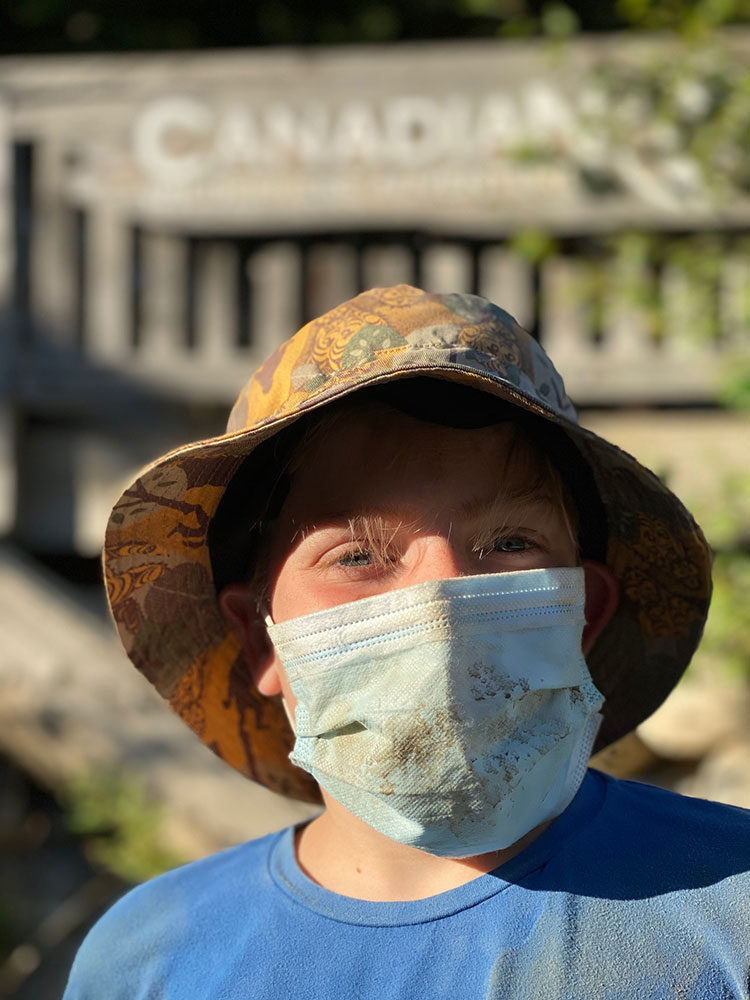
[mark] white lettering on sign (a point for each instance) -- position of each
(182, 141)
(498, 125)
(413, 130)
(547, 114)
(238, 138)
(178, 140)
(355, 135)
(170, 139)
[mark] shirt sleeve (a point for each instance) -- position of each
(119, 957)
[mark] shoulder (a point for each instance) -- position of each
(675, 839)
(634, 842)
(137, 936)
(190, 887)
(635, 802)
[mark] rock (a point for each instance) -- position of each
(724, 775)
(626, 758)
(701, 714)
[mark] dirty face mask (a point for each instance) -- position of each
(455, 715)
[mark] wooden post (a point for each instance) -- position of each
(109, 285)
(7, 434)
(446, 267)
(216, 302)
(625, 332)
(7, 466)
(53, 257)
(386, 264)
(734, 302)
(505, 279)
(564, 319)
(162, 319)
(331, 276)
(274, 272)
(679, 302)
(6, 203)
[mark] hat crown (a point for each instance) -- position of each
(394, 330)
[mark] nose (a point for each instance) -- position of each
(438, 557)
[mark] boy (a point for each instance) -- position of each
(407, 548)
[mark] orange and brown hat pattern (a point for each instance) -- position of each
(157, 562)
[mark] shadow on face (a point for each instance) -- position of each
(382, 500)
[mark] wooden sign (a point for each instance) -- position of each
(468, 137)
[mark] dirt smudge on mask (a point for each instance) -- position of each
(417, 741)
(487, 682)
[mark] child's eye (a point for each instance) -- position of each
(514, 543)
(356, 557)
(506, 544)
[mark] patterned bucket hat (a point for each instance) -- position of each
(158, 564)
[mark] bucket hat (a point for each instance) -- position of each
(158, 563)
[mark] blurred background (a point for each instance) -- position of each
(180, 190)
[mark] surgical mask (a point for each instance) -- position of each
(455, 715)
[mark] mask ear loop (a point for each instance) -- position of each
(288, 714)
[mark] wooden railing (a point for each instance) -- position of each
(191, 315)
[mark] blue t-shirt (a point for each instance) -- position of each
(632, 893)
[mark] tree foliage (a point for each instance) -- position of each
(121, 25)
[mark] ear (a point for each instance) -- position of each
(239, 606)
(602, 597)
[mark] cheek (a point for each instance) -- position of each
(307, 593)
(295, 592)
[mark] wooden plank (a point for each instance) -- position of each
(6, 201)
(596, 381)
(624, 329)
(505, 279)
(105, 465)
(275, 273)
(7, 467)
(565, 318)
(109, 290)
(162, 318)
(734, 302)
(386, 264)
(53, 245)
(686, 309)
(625, 368)
(447, 267)
(331, 276)
(357, 137)
(216, 276)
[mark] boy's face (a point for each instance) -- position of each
(380, 505)
(377, 505)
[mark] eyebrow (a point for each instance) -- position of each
(495, 509)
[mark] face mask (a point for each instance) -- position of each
(454, 716)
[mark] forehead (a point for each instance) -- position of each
(381, 457)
